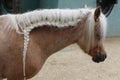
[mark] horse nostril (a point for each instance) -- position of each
(105, 56)
(99, 58)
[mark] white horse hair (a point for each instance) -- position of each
(54, 17)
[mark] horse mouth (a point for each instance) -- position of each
(99, 58)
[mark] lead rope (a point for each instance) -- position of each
(26, 42)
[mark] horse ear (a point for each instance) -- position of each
(97, 14)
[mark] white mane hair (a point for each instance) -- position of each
(52, 17)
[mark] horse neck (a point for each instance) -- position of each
(52, 40)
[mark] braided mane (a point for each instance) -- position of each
(52, 17)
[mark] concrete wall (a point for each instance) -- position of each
(75, 3)
(28, 5)
(48, 4)
(114, 21)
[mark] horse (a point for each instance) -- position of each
(48, 31)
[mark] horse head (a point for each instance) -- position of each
(94, 34)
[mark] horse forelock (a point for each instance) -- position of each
(90, 25)
(103, 23)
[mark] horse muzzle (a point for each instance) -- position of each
(99, 58)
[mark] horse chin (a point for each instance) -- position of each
(99, 58)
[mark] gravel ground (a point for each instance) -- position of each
(73, 64)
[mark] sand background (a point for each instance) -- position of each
(73, 64)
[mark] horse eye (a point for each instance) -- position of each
(98, 36)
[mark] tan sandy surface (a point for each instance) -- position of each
(72, 64)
